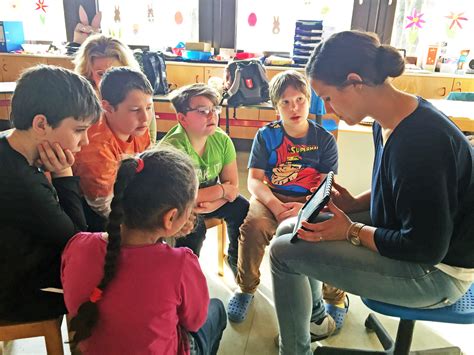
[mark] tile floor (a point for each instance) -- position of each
(256, 335)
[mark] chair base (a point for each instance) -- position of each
(400, 347)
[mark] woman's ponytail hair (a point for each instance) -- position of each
(354, 52)
(145, 188)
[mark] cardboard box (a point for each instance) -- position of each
(198, 46)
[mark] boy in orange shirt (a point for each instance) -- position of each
(122, 131)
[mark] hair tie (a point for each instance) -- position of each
(96, 295)
(140, 165)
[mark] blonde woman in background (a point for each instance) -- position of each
(99, 53)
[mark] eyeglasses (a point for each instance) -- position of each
(205, 111)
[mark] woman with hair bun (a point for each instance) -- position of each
(418, 249)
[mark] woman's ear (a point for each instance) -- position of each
(354, 79)
(168, 219)
(40, 124)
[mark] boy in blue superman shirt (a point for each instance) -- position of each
(288, 158)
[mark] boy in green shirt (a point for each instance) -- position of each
(197, 133)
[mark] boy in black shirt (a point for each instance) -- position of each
(40, 205)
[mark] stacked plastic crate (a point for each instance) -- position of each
(308, 34)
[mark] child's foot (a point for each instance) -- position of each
(338, 312)
(239, 306)
(322, 329)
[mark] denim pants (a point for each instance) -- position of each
(207, 339)
(233, 214)
(357, 270)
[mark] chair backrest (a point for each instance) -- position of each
(462, 312)
(460, 96)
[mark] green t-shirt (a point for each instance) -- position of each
(219, 152)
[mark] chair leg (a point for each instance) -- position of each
(221, 241)
(404, 337)
(53, 338)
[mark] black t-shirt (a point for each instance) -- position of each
(36, 221)
(422, 198)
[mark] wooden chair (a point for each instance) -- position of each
(221, 241)
(49, 329)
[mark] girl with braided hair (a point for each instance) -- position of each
(127, 291)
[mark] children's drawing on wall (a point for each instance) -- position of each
(415, 23)
(252, 19)
(150, 14)
(276, 25)
(83, 28)
(117, 13)
(41, 6)
(178, 18)
(454, 24)
(115, 28)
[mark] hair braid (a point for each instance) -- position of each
(87, 315)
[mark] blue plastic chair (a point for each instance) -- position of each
(460, 96)
(316, 106)
(462, 312)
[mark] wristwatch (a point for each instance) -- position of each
(353, 233)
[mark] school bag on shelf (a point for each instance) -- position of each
(245, 83)
(153, 66)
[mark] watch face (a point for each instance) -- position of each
(355, 240)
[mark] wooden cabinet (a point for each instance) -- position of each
(4, 107)
(180, 75)
(425, 86)
(213, 71)
(13, 66)
(61, 62)
(463, 85)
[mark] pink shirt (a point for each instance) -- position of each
(156, 288)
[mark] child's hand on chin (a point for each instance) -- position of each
(56, 160)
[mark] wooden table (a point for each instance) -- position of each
(460, 112)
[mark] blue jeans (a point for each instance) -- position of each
(357, 270)
(233, 214)
(207, 339)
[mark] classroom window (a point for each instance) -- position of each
(157, 23)
(43, 20)
(420, 23)
(269, 25)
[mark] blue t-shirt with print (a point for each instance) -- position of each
(293, 165)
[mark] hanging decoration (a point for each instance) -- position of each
(276, 25)
(40, 5)
(178, 18)
(252, 19)
(415, 20)
(150, 14)
(117, 13)
(455, 18)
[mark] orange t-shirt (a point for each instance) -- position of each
(97, 163)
